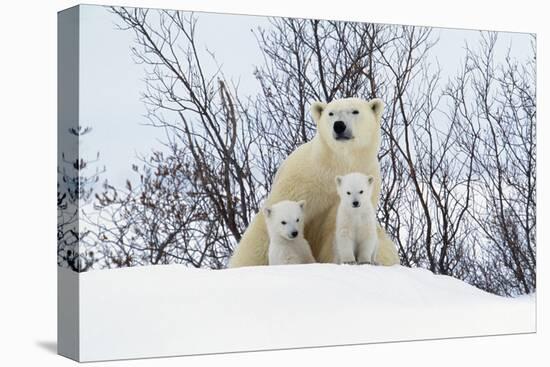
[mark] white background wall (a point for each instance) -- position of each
(28, 180)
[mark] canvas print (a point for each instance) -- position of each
(235, 182)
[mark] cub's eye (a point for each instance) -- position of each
(355, 112)
(297, 220)
(361, 192)
(349, 193)
(331, 114)
(283, 222)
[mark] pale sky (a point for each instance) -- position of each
(110, 81)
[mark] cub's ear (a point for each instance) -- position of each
(302, 203)
(268, 211)
(370, 180)
(317, 109)
(377, 106)
(338, 180)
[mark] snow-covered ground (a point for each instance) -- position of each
(173, 310)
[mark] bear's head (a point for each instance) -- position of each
(285, 219)
(354, 189)
(349, 123)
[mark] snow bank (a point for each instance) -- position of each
(173, 310)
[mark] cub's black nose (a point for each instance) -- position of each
(294, 234)
(355, 204)
(339, 127)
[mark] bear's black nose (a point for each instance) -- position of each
(294, 234)
(339, 127)
(355, 204)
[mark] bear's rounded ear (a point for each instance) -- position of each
(377, 106)
(267, 212)
(302, 203)
(317, 109)
(338, 180)
(370, 180)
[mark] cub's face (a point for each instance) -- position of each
(286, 219)
(354, 189)
(349, 122)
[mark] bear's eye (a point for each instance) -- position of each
(331, 114)
(283, 222)
(361, 192)
(355, 112)
(297, 220)
(349, 193)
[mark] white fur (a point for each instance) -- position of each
(355, 237)
(308, 173)
(285, 225)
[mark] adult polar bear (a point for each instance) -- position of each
(347, 140)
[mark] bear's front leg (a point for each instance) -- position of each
(345, 250)
(367, 248)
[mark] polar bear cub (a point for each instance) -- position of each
(355, 238)
(285, 226)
